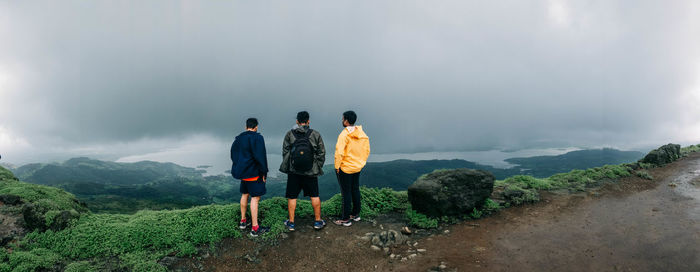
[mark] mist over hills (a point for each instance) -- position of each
(129, 187)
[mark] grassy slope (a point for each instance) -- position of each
(137, 241)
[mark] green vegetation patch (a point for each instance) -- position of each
(6, 174)
(420, 220)
(49, 198)
(524, 189)
(141, 239)
(690, 149)
(644, 174)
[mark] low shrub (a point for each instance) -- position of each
(6, 174)
(644, 174)
(476, 214)
(490, 207)
(420, 220)
(36, 259)
(81, 266)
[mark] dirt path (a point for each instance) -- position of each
(633, 225)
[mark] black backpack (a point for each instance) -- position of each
(302, 157)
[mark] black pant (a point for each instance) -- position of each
(350, 190)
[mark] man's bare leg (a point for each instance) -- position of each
(316, 204)
(254, 209)
(291, 206)
(244, 205)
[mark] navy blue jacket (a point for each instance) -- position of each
(248, 156)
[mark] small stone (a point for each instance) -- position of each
(404, 259)
(672, 184)
(446, 231)
(386, 250)
(375, 248)
(412, 256)
(406, 230)
(415, 244)
(392, 255)
(442, 267)
(478, 249)
(421, 250)
(381, 226)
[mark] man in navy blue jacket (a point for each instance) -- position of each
(250, 166)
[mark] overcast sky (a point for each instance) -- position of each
(130, 79)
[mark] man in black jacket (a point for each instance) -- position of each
(303, 155)
(249, 160)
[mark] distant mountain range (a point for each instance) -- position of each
(129, 187)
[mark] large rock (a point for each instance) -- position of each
(663, 155)
(450, 192)
(35, 218)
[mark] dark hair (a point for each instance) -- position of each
(251, 123)
(350, 116)
(302, 117)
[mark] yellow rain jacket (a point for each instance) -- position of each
(352, 150)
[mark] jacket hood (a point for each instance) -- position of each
(246, 133)
(358, 133)
(300, 129)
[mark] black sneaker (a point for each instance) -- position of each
(243, 225)
(344, 223)
(260, 231)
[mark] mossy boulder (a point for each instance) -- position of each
(663, 155)
(450, 192)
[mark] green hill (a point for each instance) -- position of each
(103, 172)
(544, 166)
(129, 187)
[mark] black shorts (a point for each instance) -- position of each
(254, 188)
(295, 183)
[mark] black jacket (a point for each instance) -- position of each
(248, 156)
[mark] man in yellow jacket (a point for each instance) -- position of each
(351, 153)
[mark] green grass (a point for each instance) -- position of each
(644, 174)
(50, 201)
(50, 198)
(141, 239)
(525, 189)
(420, 220)
(6, 174)
(689, 149)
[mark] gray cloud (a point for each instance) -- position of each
(422, 75)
